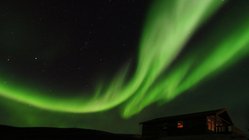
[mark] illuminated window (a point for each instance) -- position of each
(180, 124)
(211, 123)
(220, 126)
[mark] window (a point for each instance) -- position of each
(180, 124)
(211, 123)
(220, 128)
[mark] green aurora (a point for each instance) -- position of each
(158, 77)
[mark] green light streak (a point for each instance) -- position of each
(231, 48)
(164, 36)
(168, 27)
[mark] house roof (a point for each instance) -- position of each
(220, 112)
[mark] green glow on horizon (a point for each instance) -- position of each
(168, 27)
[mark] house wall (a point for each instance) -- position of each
(216, 124)
(194, 125)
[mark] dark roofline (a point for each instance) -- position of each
(217, 111)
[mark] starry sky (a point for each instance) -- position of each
(70, 50)
(67, 45)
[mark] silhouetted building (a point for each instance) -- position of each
(215, 124)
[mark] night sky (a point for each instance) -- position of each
(82, 51)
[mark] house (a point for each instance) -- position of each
(215, 124)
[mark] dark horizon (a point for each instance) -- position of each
(212, 124)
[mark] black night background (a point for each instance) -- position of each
(63, 47)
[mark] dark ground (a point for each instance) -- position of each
(34, 133)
